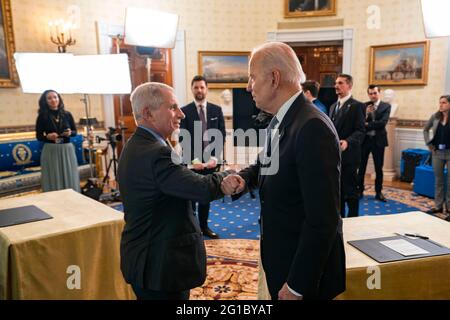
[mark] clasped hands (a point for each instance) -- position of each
(232, 184)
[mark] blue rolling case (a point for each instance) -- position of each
(411, 158)
(424, 180)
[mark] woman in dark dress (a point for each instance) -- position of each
(55, 127)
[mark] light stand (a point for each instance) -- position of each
(88, 122)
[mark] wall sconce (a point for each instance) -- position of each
(61, 34)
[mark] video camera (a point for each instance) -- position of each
(112, 136)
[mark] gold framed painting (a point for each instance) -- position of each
(399, 64)
(309, 8)
(224, 69)
(8, 72)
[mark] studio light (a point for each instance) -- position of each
(435, 18)
(150, 28)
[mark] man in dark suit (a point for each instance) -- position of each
(375, 141)
(348, 117)
(207, 116)
(297, 174)
(162, 249)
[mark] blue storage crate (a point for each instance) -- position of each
(411, 158)
(424, 180)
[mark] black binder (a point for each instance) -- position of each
(20, 215)
(380, 253)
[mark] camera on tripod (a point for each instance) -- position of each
(112, 136)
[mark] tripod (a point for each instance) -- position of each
(114, 194)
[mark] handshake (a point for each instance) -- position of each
(232, 184)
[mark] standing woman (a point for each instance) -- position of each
(54, 127)
(439, 145)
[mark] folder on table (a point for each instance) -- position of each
(13, 216)
(378, 251)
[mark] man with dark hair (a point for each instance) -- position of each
(207, 116)
(311, 91)
(375, 141)
(347, 115)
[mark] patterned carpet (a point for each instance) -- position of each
(232, 271)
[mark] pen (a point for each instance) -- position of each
(416, 236)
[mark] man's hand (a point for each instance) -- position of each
(343, 144)
(232, 184)
(431, 147)
(286, 294)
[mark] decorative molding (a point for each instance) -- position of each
(311, 24)
(407, 123)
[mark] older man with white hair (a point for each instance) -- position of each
(162, 249)
(302, 248)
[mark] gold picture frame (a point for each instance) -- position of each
(309, 8)
(8, 72)
(224, 69)
(399, 64)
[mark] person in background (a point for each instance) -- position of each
(311, 92)
(375, 141)
(55, 127)
(348, 117)
(208, 116)
(439, 145)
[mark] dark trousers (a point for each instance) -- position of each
(146, 294)
(370, 146)
(203, 208)
(349, 190)
(203, 213)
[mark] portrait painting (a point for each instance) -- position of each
(8, 73)
(309, 8)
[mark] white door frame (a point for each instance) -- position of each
(320, 34)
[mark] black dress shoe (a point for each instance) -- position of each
(380, 197)
(434, 210)
(209, 233)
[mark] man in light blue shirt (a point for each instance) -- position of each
(311, 91)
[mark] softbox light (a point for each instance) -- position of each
(435, 18)
(66, 73)
(150, 28)
(41, 71)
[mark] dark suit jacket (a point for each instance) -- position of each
(214, 120)
(350, 126)
(379, 123)
(301, 229)
(162, 246)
